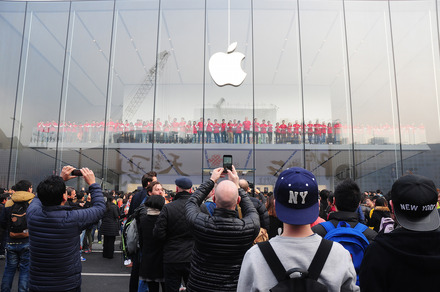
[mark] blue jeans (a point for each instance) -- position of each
(17, 256)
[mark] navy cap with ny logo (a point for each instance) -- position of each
(296, 195)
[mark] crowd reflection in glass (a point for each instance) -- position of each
(221, 131)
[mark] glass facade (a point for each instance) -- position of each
(344, 88)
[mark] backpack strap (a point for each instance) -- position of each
(145, 199)
(320, 258)
(272, 260)
(328, 226)
(361, 227)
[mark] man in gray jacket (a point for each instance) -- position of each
(297, 206)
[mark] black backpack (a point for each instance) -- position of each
(17, 223)
(308, 280)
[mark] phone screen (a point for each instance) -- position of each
(227, 162)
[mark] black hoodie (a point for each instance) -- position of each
(402, 260)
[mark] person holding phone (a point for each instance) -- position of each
(54, 229)
(220, 241)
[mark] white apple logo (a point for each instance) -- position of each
(226, 68)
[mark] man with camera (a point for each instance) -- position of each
(220, 240)
(54, 229)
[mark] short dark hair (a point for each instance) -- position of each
(50, 191)
(155, 202)
(146, 179)
(150, 186)
(152, 173)
(324, 194)
(347, 196)
(381, 201)
(23, 185)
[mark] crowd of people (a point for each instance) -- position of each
(226, 235)
(223, 131)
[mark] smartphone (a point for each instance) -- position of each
(76, 172)
(227, 162)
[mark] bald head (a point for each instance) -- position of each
(243, 184)
(226, 195)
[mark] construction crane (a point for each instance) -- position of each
(144, 88)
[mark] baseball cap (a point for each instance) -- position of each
(414, 200)
(296, 195)
(184, 183)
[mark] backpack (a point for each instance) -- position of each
(308, 280)
(352, 239)
(130, 232)
(17, 222)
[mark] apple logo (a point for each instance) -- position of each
(226, 68)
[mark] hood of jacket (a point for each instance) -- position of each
(20, 196)
(421, 250)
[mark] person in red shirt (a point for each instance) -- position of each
(256, 131)
(217, 127)
(53, 129)
(277, 133)
(310, 132)
(269, 131)
(230, 132)
(223, 131)
(166, 132)
(296, 131)
(158, 130)
(317, 132)
(138, 131)
(238, 131)
(329, 133)
(150, 131)
(263, 132)
(174, 127)
(144, 132)
(289, 133)
(323, 132)
(283, 131)
(209, 129)
(194, 131)
(246, 130)
(188, 132)
(200, 128)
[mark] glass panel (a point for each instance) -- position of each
(326, 92)
(11, 29)
(415, 38)
(278, 98)
(131, 99)
(230, 98)
(179, 94)
(373, 95)
(85, 86)
(40, 90)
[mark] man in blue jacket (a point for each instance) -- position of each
(54, 229)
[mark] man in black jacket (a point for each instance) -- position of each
(221, 240)
(408, 258)
(136, 202)
(172, 228)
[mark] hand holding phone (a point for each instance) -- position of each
(76, 172)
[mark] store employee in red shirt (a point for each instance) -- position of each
(246, 130)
